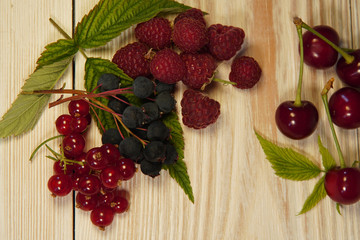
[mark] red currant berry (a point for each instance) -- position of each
(88, 118)
(78, 124)
(127, 168)
(63, 124)
(79, 108)
(120, 204)
(102, 216)
(73, 145)
(60, 184)
(343, 185)
(87, 203)
(96, 158)
(59, 168)
(89, 185)
(111, 152)
(75, 181)
(106, 198)
(83, 169)
(110, 177)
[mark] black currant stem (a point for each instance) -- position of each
(324, 98)
(348, 58)
(42, 144)
(67, 36)
(297, 102)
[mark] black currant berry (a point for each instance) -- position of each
(143, 87)
(157, 130)
(165, 101)
(133, 117)
(108, 82)
(164, 87)
(131, 148)
(150, 168)
(151, 110)
(171, 155)
(112, 136)
(155, 151)
(116, 105)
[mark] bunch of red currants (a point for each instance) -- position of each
(95, 174)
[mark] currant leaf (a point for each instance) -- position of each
(110, 17)
(178, 171)
(315, 197)
(327, 159)
(26, 110)
(287, 163)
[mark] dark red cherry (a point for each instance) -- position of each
(317, 53)
(296, 122)
(343, 185)
(344, 106)
(350, 73)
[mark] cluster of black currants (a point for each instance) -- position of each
(95, 174)
(148, 142)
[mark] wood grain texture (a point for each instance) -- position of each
(237, 196)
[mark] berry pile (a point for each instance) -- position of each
(95, 174)
(189, 52)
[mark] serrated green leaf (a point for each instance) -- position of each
(27, 108)
(288, 163)
(110, 17)
(94, 68)
(315, 197)
(57, 51)
(178, 171)
(328, 160)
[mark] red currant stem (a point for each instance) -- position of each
(52, 151)
(348, 58)
(223, 81)
(97, 117)
(42, 144)
(52, 158)
(56, 91)
(297, 102)
(324, 98)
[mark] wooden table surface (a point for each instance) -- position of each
(237, 195)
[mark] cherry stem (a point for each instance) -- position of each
(223, 81)
(324, 98)
(42, 144)
(297, 102)
(348, 58)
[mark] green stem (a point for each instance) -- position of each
(41, 144)
(297, 102)
(324, 98)
(223, 81)
(348, 58)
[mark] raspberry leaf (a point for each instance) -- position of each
(287, 163)
(27, 108)
(316, 196)
(178, 171)
(110, 17)
(57, 51)
(327, 159)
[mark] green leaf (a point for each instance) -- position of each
(57, 51)
(94, 68)
(327, 159)
(27, 108)
(288, 163)
(315, 197)
(110, 17)
(178, 171)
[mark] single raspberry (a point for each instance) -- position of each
(167, 66)
(224, 41)
(189, 35)
(198, 111)
(245, 72)
(131, 59)
(194, 13)
(155, 33)
(199, 69)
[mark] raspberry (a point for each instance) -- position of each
(189, 35)
(199, 69)
(167, 66)
(191, 13)
(245, 72)
(131, 59)
(155, 33)
(198, 111)
(224, 41)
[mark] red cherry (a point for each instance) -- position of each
(350, 73)
(344, 106)
(60, 184)
(343, 185)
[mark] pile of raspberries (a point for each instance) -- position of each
(187, 50)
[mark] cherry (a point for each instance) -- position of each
(127, 168)
(60, 185)
(349, 72)
(110, 177)
(344, 106)
(63, 124)
(343, 185)
(73, 145)
(89, 185)
(102, 216)
(296, 122)
(79, 108)
(86, 203)
(317, 53)
(96, 158)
